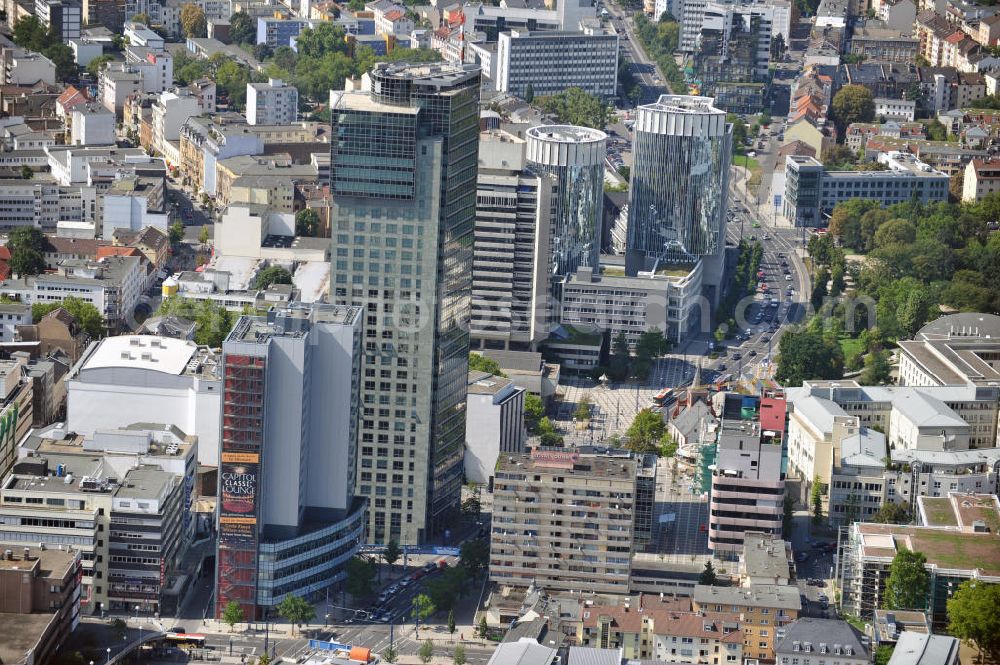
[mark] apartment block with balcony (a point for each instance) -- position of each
(562, 521)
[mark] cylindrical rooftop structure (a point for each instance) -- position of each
(575, 157)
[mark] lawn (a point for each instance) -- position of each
(952, 549)
(939, 512)
(851, 346)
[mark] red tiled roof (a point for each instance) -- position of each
(5, 271)
(117, 251)
(4, 253)
(394, 15)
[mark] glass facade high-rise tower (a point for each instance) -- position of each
(678, 192)
(403, 182)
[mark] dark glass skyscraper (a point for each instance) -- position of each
(403, 180)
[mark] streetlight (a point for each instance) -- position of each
(140, 625)
(109, 656)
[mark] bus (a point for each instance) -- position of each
(185, 639)
(665, 397)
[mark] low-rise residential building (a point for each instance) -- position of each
(39, 601)
(811, 192)
(662, 631)
(494, 424)
(113, 285)
(982, 177)
(883, 43)
(13, 315)
(547, 62)
(92, 124)
(276, 31)
(24, 67)
(42, 205)
(826, 640)
(117, 82)
(268, 181)
(895, 109)
(562, 520)
(764, 610)
(765, 559)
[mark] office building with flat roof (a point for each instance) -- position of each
(288, 517)
(549, 62)
(811, 191)
(953, 350)
(403, 184)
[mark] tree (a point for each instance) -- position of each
(974, 615)
(574, 106)
(480, 363)
(529, 93)
(708, 576)
(95, 66)
(389, 654)
(203, 235)
(907, 584)
(807, 354)
(891, 512)
(296, 610)
(458, 657)
(471, 506)
(272, 275)
(877, 369)
(451, 623)
(233, 614)
(25, 262)
(242, 28)
(120, 628)
(391, 553)
(484, 629)
(651, 345)
(816, 499)
(321, 40)
(87, 316)
(534, 411)
(883, 654)
(26, 237)
(262, 52)
(360, 574)
(26, 172)
(426, 652)
(193, 21)
(645, 432)
(423, 608)
(894, 232)
(445, 589)
(853, 103)
(141, 18)
(30, 33)
(212, 321)
(474, 556)
(176, 232)
(306, 223)
(547, 434)
(620, 358)
(62, 57)
(582, 412)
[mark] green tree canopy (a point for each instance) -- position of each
(907, 585)
(26, 237)
(30, 33)
(891, 512)
(708, 576)
(534, 411)
(480, 363)
(645, 432)
(233, 614)
(193, 22)
(87, 316)
(297, 610)
(306, 223)
(426, 651)
(212, 321)
(272, 275)
(805, 354)
(242, 28)
(360, 574)
(26, 262)
(974, 615)
(576, 107)
(392, 552)
(474, 556)
(853, 103)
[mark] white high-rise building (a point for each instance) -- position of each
(272, 103)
